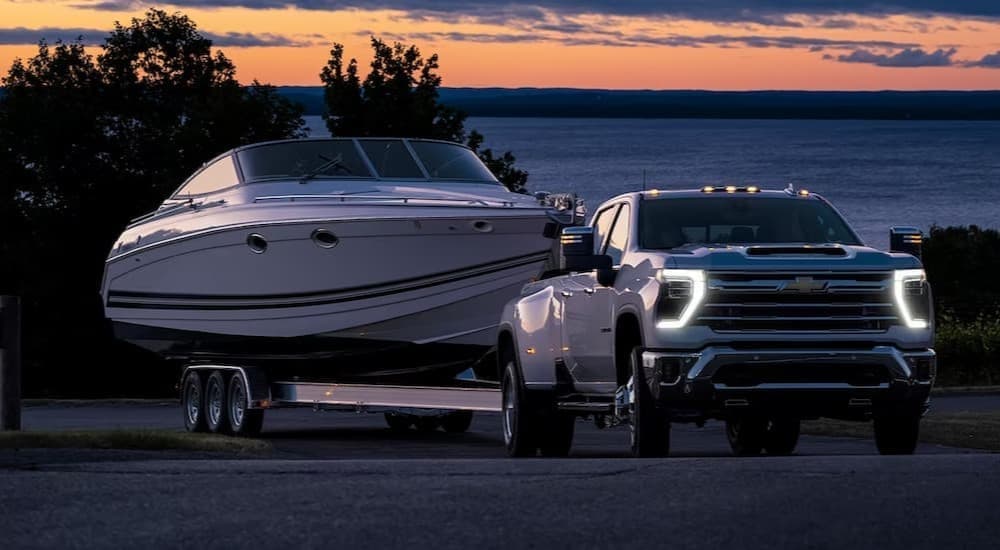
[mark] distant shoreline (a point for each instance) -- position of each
(778, 105)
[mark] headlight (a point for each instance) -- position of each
(912, 297)
(681, 293)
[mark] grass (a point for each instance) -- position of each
(974, 430)
(146, 440)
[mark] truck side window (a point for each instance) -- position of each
(601, 225)
(619, 236)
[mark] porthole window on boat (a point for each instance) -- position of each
(324, 238)
(482, 226)
(257, 243)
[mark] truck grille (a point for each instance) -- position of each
(799, 302)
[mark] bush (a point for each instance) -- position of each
(969, 351)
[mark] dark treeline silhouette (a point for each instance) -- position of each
(87, 143)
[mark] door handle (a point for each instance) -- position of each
(567, 294)
(588, 290)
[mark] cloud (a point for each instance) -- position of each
(909, 57)
(989, 61)
(26, 36)
(763, 12)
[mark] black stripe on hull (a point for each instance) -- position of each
(321, 297)
(318, 357)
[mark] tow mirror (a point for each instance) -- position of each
(576, 250)
(908, 240)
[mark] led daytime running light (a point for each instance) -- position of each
(900, 278)
(698, 289)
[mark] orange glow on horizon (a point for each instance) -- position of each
(548, 60)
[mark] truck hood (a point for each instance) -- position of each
(792, 256)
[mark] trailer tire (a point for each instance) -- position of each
(243, 421)
(193, 402)
(457, 422)
(427, 424)
(519, 420)
(216, 409)
(649, 428)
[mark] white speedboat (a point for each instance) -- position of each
(358, 258)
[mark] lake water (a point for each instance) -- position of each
(877, 173)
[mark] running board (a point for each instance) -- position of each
(365, 397)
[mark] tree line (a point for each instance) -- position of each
(88, 142)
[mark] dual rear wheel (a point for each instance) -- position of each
(218, 402)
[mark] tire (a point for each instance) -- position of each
(457, 422)
(193, 402)
(243, 421)
(649, 428)
(747, 435)
(519, 420)
(398, 423)
(556, 435)
(897, 434)
(216, 409)
(782, 436)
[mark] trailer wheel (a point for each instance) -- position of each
(193, 402)
(398, 422)
(427, 424)
(649, 429)
(216, 411)
(746, 435)
(519, 421)
(457, 422)
(243, 421)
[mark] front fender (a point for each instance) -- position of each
(535, 320)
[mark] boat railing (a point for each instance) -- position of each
(381, 198)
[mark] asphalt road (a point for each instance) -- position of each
(344, 480)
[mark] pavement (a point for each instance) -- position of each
(344, 480)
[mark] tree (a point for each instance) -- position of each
(86, 144)
(399, 98)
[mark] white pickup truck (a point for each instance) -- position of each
(759, 308)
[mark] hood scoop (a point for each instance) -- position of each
(796, 251)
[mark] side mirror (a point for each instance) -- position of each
(908, 240)
(576, 251)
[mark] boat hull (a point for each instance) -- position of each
(408, 294)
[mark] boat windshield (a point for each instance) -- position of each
(383, 158)
(304, 159)
(675, 222)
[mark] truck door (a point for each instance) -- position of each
(588, 323)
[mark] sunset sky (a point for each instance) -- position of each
(628, 44)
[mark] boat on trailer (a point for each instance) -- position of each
(368, 259)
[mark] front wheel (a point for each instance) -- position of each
(897, 434)
(782, 436)
(519, 424)
(649, 428)
(746, 435)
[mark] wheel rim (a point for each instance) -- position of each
(509, 412)
(633, 409)
(215, 403)
(192, 401)
(237, 403)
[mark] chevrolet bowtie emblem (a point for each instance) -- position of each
(804, 284)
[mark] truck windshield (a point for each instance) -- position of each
(675, 222)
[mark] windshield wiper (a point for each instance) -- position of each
(335, 162)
